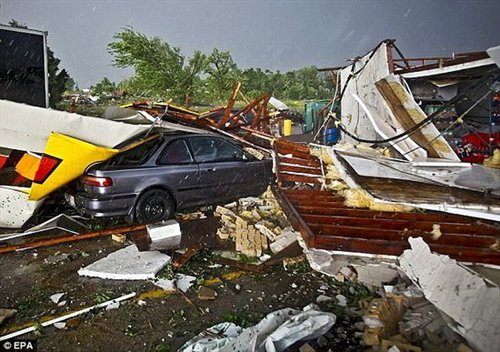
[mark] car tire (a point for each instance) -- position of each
(153, 206)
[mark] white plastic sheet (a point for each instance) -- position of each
(276, 332)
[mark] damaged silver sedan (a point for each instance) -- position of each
(169, 172)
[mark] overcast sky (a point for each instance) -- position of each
(269, 34)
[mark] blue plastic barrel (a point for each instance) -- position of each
(332, 136)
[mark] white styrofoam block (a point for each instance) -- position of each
(164, 235)
(127, 264)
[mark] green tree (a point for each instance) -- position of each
(58, 79)
(161, 70)
(70, 85)
(105, 87)
(191, 84)
(222, 74)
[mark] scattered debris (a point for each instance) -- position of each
(58, 225)
(424, 321)
(323, 298)
(306, 348)
(6, 314)
(162, 236)
(471, 301)
(113, 305)
(252, 228)
(341, 300)
(67, 316)
(61, 325)
(188, 254)
(181, 282)
(56, 297)
(119, 238)
(283, 241)
(206, 294)
(277, 331)
(184, 282)
(127, 264)
(381, 318)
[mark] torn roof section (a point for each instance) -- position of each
(401, 102)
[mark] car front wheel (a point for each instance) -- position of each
(153, 206)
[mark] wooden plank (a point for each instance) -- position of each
(392, 224)
(298, 169)
(477, 255)
(404, 117)
(373, 214)
(297, 197)
(312, 192)
(71, 238)
(468, 240)
(297, 222)
(299, 161)
(297, 178)
(318, 203)
(296, 152)
(284, 144)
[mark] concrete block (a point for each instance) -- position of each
(241, 222)
(283, 241)
(266, 230)
(223, 235)
(225, 211)
(228, 221)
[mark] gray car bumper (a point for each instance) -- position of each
(118, 205)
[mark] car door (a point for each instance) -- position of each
(225, 172)
(179, 173)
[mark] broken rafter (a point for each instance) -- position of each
(427, 63)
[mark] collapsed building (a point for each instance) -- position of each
(417, 157)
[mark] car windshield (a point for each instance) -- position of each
(136, 155)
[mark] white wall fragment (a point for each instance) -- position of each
(127, 264)
(367, 70)
(472, 302)
(26, 127)
(15, 208)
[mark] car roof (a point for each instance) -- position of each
(167, 134)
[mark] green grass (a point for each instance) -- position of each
(243, 319)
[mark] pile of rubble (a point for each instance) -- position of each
(255, 225)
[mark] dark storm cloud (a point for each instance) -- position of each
(269, 34)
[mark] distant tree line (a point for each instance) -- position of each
(162, 71)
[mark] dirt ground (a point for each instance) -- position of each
(166, 321)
